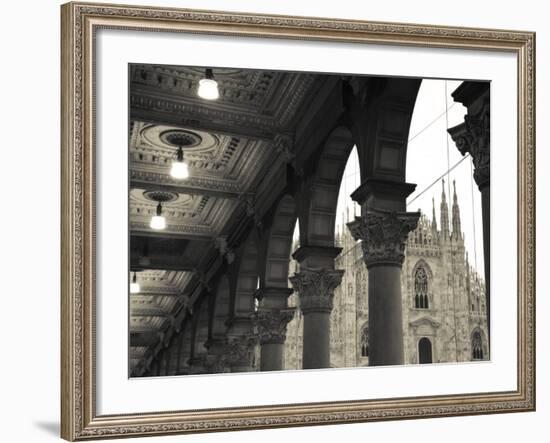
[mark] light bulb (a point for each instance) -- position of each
(158, 221)
(179, 169)
(208, 89)
(134, 286)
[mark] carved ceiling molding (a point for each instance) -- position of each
(143, 226)
(157, 144)
(247, 97)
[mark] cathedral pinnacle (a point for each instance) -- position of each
(457, 230)
(444, 212)
(434, 220)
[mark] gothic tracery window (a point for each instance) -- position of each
(421, 288)
(477, 346)
(365, 342)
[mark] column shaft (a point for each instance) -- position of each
(486, 215)
(316, 291)
(383, 235)
(271, 321)
(316, 351)
(271, 357)
(385, 316)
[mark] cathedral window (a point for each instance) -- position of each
(365, 342)
(421, 288)
(477, 346)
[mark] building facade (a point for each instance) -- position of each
(443, 298)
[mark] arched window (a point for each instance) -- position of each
(425, 351)
(365, 342)
(477, 346)
(421, 288)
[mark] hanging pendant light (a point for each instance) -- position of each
(158, 221)
(134, 286)
(208, 87)
(179, 169)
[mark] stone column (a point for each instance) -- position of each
(217, 359)
(270, 322)
(198, 364)
(315, 287)
(473, 137)
(241, 342)
(383, 235)
(271, 327)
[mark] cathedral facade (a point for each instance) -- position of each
(443, 298)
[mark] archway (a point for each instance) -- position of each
(425, 351)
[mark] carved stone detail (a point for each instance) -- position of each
(383, 235)
(241, 349)
(474, 137)
(284, 144)
(316, 288)
(251, 209)
(226, 252)
(271, 325)
(216, 364)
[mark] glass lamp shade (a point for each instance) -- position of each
(158, 222)
(134, 288)
(134, 285)
(179, 170)
(208, 89)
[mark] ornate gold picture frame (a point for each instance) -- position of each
(79, 417)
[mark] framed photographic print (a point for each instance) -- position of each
(281, 221)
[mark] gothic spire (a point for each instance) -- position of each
(457, 230)
(444, 209)
(434, 220)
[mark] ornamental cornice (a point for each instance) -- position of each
(192, 112)
(383, 235)
(143, 226)
(147, 176)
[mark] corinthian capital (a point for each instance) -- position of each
(315, 288)
(272, 325)
(383, 235)
(473, 137)
(241, 349)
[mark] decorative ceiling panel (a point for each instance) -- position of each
(216, 162)
(268, 99)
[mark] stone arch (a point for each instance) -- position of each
(380, 113)
(277, 245)
(364, 340)
(318, 199)
(478, 343)
(425, 351)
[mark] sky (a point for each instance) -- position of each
(428, 160)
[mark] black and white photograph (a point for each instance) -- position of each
(286, 220)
